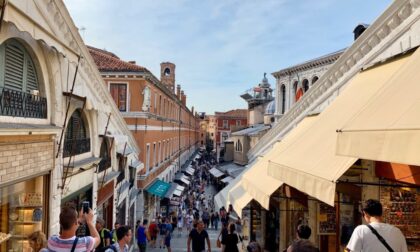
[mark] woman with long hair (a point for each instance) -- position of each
(38, 241)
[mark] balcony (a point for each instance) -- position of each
(104, 164)
(21, 104)
(76, 146)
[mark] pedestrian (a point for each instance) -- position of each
(238, 225)
(168, 232)
(162, 233)
(198, 237)
(303, 232)
(180, 223)
(222, 235)
(124, 236)
(69, 223)
(212, 216)
(303, 245)
(142, 236)
(190, 220)
(376, 235)
(231, 240)
(114, 231)
(104, 233)
(153, 231)
(38, 241)
(253, 246)
(216, 220)
(205, 216)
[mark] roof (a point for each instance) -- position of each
(251, 130)
(109, 62)
(233, 113)
(323, 60)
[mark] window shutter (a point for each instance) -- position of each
(31, 78)
(14, 68)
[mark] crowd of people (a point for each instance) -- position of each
(196, 214)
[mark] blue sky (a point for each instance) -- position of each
(221, 48)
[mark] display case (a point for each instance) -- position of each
(402, 209)
(21, 212)
(326, 220)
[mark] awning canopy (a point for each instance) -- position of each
(256, 180)
(216, 172)
(171, 191)
(177, 193)
(227, 179)
(158, 188)
(388, 127)
(136, 164)
(180, 188)
(188, 172)
(309, 163)
(239, 198)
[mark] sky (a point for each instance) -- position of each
(221, 48)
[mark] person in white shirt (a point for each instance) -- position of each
(364, 238)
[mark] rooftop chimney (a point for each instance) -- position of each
(360, 28)
(178, 91)
(132, 62)
(183, 98)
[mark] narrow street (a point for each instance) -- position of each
(179, 240)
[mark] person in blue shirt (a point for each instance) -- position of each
(142, 236)
(168, 232)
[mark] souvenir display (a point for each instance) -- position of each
(402, 209)
(326, 219)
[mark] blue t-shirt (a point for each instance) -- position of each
(141, 236)
(168, 229)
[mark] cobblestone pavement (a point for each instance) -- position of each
(179, 240)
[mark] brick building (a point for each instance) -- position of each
(228, 122)
(156, 113)
(58, 143)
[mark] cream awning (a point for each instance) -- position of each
(388, 128)
(310, 163)
(256, 180)
(222, 198)
(239, 198)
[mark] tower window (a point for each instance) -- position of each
(167, 72)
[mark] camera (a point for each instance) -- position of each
(85, 206)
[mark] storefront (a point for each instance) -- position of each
(23, 207)
(105, 202)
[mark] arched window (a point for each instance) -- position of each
(238, 146)
(314, 79)
(295, 87)
(77, 140)
(283, 98)
(305, 85)
(19, 83)
(105, 156)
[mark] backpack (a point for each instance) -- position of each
(109, 247)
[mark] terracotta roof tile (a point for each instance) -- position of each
(109, 62)
(234, 113)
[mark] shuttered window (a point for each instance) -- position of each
(19, 71)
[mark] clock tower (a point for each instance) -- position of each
(167, 75)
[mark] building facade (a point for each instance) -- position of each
(63, 140)
(157, 115)
(323, 156)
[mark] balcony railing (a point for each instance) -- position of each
(104, 164)
(21, 104)
(76, 146)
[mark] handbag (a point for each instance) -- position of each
(218, 243)
(240, 243)
(380, 238)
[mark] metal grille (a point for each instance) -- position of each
(76, 146)
(21, 104)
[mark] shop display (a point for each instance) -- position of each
(4, 237)
(326, 220)
(402, 209)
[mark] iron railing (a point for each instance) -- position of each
(21, 104)
(76, 146)
(104, 164)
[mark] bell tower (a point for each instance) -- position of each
(167, 75)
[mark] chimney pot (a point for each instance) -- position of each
(132, 62)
